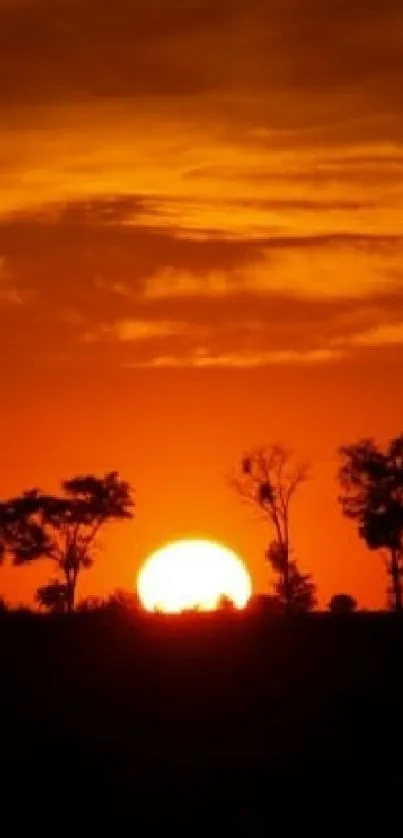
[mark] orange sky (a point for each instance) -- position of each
(201, 244)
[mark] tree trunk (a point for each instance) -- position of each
(71, 583)
(287, 590)
(396, 580)
(69, 598)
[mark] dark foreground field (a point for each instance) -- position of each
(237, 724)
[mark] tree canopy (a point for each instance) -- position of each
(64, 527)
(372, 485)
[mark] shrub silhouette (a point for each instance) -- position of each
(342, 604)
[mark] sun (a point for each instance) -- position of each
(193, 574)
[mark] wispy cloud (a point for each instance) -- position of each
(171, 284)
(203, 359)
(132, 331)
(344, 267)
(387, 334)
(10, 294)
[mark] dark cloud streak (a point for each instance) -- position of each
(58, 50)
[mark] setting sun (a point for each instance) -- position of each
(193, 574)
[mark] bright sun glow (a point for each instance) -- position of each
(193, 574)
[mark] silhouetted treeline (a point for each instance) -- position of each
(372, 485)
(371, 480)
(64, 528)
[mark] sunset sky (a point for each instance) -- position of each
(201, 242)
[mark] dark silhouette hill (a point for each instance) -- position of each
(228, 723)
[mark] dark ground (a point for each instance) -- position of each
(231, 724)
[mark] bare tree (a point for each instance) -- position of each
(269, 478)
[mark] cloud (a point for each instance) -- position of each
(387, 334)
(172, 284)
(172, 171)
(10, 294)
(71, 49)
(90, 211)
(131, 331)
(349, 269)
(99, 98)
(249, 301)
(203, 359)
(312, 267)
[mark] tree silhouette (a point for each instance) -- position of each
(21, 533)
(65, 527)
(91, 603)
(301, 588)
(342, 604)
(269, 479)
(372, 482)
(52, 597)
(124, 602)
